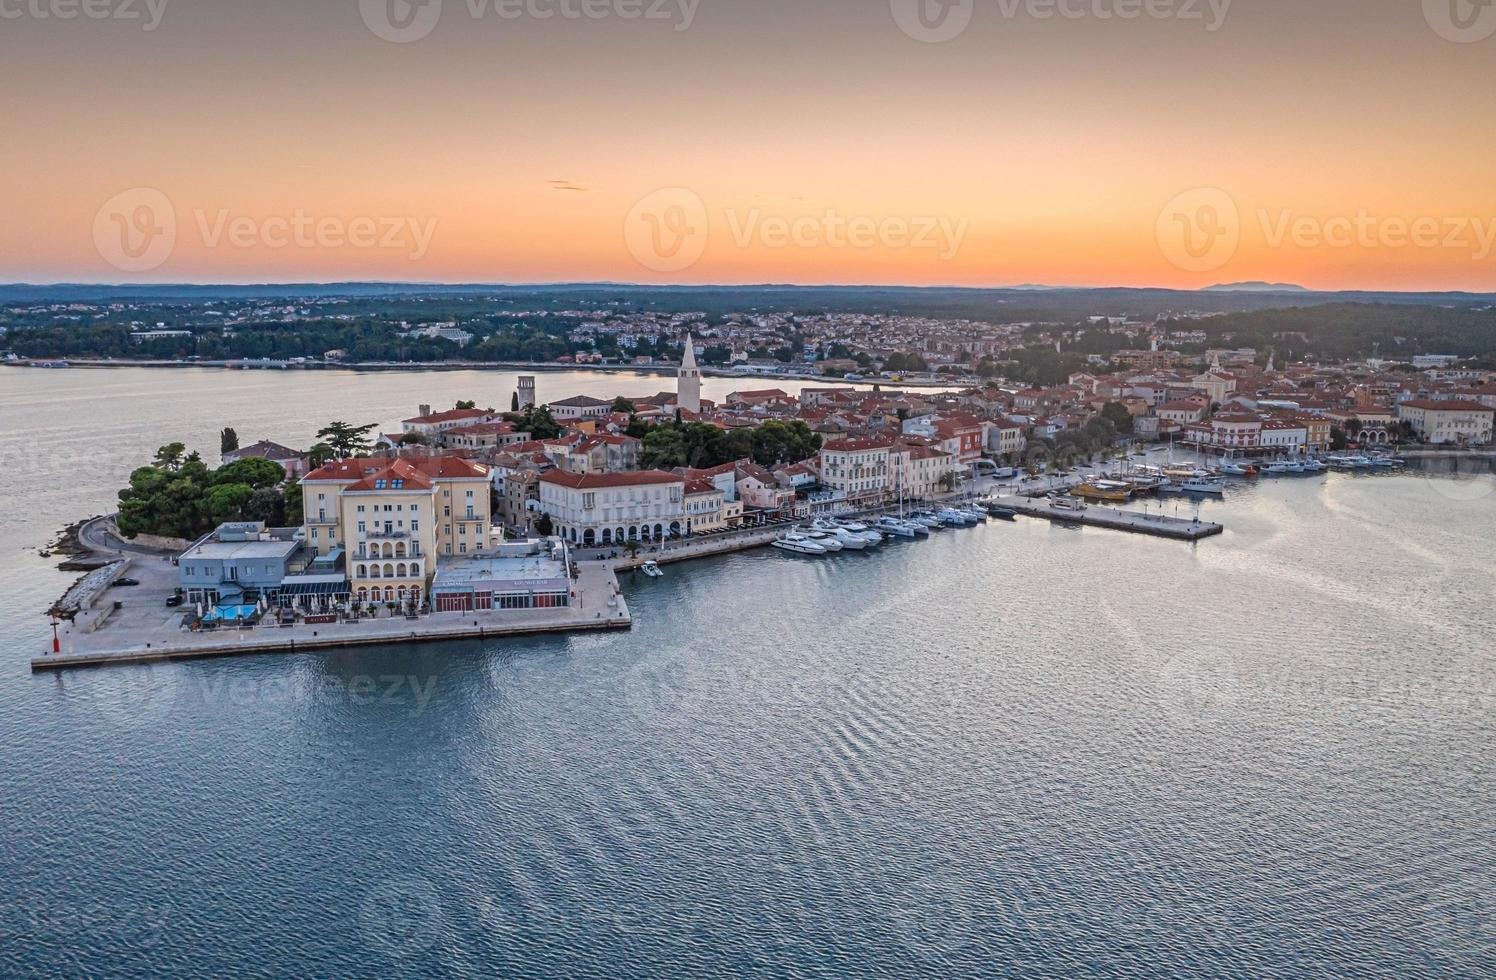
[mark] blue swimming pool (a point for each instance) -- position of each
(229, 613)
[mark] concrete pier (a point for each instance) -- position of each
(134, 639)
(1133, 522)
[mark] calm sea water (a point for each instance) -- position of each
(1018, 750)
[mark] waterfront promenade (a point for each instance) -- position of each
(144, 630)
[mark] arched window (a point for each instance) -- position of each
(363, 571)
(400, 570)
(373, 571)
(400, 550)
(389, 570)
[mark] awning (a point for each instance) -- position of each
(314, 588)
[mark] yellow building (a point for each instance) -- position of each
(389, 520)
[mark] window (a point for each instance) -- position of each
(415, 525)
(379, 484)
(361, 525)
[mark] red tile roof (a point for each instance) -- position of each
(590, 481)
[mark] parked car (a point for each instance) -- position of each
(125, 582)
(173, 600)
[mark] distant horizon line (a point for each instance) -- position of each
(1238, 287)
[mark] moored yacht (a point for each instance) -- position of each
(823, 539)
(1196, 485)
(901, 529)
(798, 543)
(840, 535)
(871, 535)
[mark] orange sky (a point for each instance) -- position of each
(524, 144)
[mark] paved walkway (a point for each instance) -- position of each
(146, 629)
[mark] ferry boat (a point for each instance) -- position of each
(798, 543)
(652, 569)
(1204, 486)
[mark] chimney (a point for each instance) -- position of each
(425, 411)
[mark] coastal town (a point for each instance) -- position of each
(476, 520)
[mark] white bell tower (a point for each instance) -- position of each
(688, 389)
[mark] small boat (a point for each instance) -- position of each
(826, 541)
(1314, 466)
(843, 537)
(901, 529)
(927, 520)
(798, 543)
(977, 514)
(951, 517)
(870, 535)
(1203, 486)
(652, 569)
(1233, 468)
(1386, 462)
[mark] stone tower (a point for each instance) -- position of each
(526, 393)
(688, 390)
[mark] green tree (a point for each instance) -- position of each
(1117, 414)
(169, 456)
(462, 406)
(414, 439)
(319, 455)
(623, 405)
(347, 440)
(514, 402)
(228, 441)
(226, 501)
(254, 472)
(537, 420)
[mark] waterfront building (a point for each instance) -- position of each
(518, 575)
(1444, 422)
(432, 425)
(386, 520)
(857, 468)
(237, 563)
(293, 462)
(580, 407)
(602, 509)
(481, 436)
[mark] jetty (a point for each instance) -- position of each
(136, 631)
(1134, 522)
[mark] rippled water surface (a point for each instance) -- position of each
(1019, 750)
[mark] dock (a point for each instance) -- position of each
(1133, 522)
(116, 637)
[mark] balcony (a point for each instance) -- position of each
(388, 535)
(322, 521)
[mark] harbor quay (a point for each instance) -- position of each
(142, 630)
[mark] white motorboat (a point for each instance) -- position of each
(841, 535)
(977, 514)
(1314, 466)
(869, 534)
(798, 543)
(928, 521)
(652, 569)
(1230, 468)
(951, 517)
(1198, 485)
(823, 539)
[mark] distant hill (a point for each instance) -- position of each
(1255, 287)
